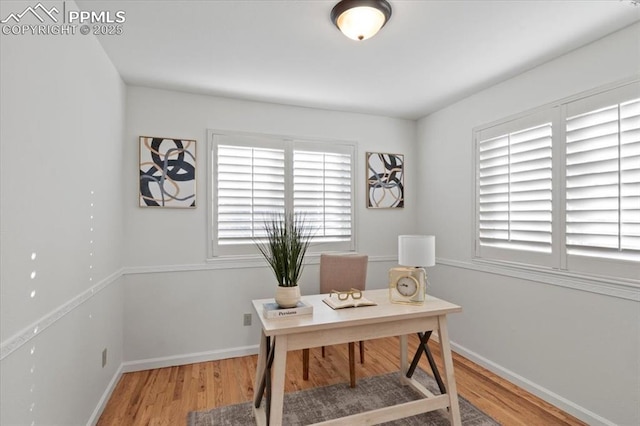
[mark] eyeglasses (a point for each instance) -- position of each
(344, 295)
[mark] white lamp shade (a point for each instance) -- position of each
(361, 23)
(417, 250)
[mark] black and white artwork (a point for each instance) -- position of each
(167, 172)
(385, 181)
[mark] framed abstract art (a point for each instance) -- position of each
(385, 180)
(167, 172)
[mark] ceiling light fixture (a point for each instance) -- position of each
(360, 19)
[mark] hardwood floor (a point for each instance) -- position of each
(163, 397)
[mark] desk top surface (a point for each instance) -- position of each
(325, 317)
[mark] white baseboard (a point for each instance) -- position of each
(541, 392)
(170, 361)
(95, 416)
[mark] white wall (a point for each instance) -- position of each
(178, 308)
(62, 114)
(579, 350)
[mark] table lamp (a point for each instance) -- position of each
(408, 283)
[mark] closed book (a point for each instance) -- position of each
(272, 310)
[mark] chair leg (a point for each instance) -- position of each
(305, 364)
(361, 352)
(352, 364)
(323, 352)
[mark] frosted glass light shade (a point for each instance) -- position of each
(360, 19)
(417, 250)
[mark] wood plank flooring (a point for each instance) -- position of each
(165, 396)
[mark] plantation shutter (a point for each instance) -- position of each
(515, 188)
(250, 187)
(255, 176)
(603, 179)
(322, 184)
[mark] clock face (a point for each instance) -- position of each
(407, 286)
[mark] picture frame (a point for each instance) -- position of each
(385, 180)
(167, 176)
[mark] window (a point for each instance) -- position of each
(515, 189)
(322, 191)
(250, 185)
(560, 188)
(255, 176)
(603, 181)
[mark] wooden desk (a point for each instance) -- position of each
(328, 327)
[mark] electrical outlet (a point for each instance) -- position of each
(247, 319)
(104, 357)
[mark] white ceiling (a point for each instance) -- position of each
(430, 54)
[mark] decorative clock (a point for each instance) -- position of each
(407, 285)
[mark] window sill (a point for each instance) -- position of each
(232, 262)
(254, 261)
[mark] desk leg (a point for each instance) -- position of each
(454, 408)
(423, 347)
(260, 370)
(277, 385)
(263, 377)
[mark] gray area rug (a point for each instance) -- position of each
(330, 402)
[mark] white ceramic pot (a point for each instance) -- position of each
(287, 297)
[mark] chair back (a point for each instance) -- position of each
(342, 272)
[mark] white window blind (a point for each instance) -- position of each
(603, 182)
(559, 187)
(250, 187)
(515, 190)
(255, 176)
(322, 191)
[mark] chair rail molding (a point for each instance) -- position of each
(620, 288)
(25, 335)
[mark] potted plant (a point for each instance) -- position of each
(284, 246)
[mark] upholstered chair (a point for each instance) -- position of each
(341, 272)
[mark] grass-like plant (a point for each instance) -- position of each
(288, 236)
